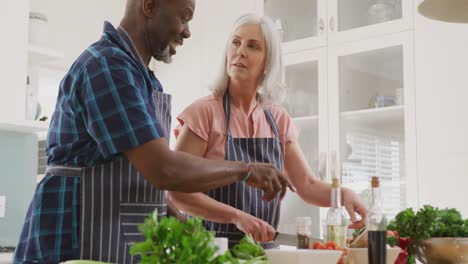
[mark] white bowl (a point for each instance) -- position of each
(359, 255)
(303, 256)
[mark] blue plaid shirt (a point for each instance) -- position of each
(104, 107)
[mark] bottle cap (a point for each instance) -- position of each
(375, 182)
(335, 183)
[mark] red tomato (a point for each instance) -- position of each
(322, 246)
(331, 244)
(316, 245)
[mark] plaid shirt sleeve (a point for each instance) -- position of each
(117, 105)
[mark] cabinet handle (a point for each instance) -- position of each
(332, 23)
(322, 166)
(321, 25)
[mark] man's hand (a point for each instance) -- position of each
(266, 177)
(260, 230)
(353, 205)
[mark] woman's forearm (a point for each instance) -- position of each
(199, 204)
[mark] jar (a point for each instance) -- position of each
(303, 231)
(38, 28)
(381, 11)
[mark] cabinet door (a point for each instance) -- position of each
(300, 23)
(306, 98)
(372, 118)
(360, 19)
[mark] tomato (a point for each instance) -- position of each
(322, 246)
(331, 244)
(316, 245)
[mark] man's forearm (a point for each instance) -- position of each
(180, 171)
(184, 172)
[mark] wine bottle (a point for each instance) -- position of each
(376, 225)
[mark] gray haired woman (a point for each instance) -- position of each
(242, 120)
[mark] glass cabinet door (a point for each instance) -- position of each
(371, 85)
(300, 23)
(305, 101)
(359, 19)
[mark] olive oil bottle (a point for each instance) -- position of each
(336, 220)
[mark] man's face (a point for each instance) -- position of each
(168, 27)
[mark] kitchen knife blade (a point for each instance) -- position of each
(291, 240)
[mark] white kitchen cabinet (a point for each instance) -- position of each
(301, 23)
(360, 19)
(372, 118)
(306, 24)
(351, 91)
(306, 80)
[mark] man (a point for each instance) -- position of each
(107, 146)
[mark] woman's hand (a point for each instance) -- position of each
(260, 230)
(353, 205)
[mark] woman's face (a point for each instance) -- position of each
(246, 54)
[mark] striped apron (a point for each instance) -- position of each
(115, 198)
(240, 195)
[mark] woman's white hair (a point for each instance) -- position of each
(271, 89)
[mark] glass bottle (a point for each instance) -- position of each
(376, 225)
(303, 231)
(336, 220)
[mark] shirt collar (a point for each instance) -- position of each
(121, 38)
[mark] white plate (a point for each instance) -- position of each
(302, 256)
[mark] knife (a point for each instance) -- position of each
(291, 240)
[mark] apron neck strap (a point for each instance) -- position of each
(227, 112)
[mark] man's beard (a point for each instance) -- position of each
(158, 54)
(163, 55)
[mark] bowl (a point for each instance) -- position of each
(302, 256)
(445, 250)
(79, 261)
(359, 255)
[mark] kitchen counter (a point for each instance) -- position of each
(6, 258)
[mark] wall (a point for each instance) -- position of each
(18, 160)
(13, 28)
(441, 51)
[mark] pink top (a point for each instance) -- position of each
(205, 117)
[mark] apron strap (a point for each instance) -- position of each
(272, 122)
(64, 170)
(227, 112)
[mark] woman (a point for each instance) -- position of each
(241, 120)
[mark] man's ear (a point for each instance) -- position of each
(150, 7)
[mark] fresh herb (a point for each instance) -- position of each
(249, 251)
(171, 241)
(430, 222)
(426, 223)
(392, 241)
